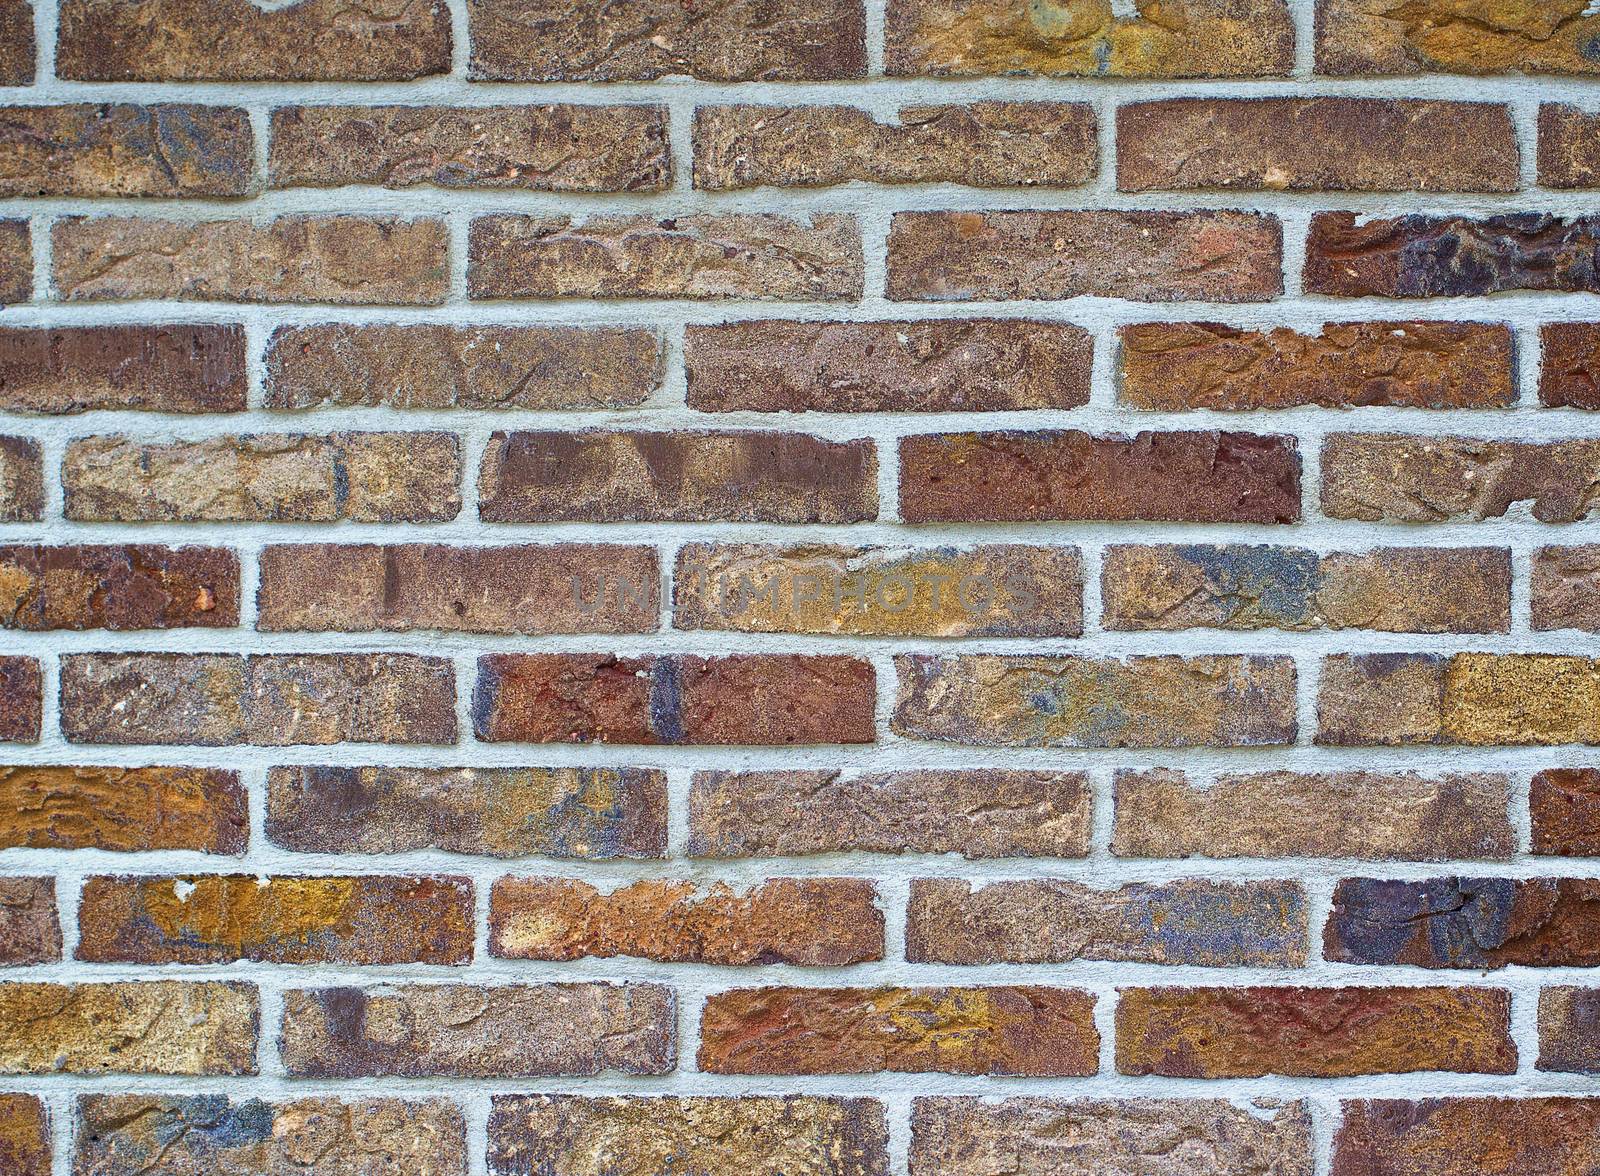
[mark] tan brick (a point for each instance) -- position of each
(56, 370)
(1564, 806)
(1378, 37)
(1569, 371)
(122, 149)
(21, 699)
(1566, 588)
(1569, 1030)
(21, 480)
(17, 50)
(118, 587)
(1539, 1136)
(16, 262)
(1569, 147)
(24, 1120)
(126, 810)
(30, 931)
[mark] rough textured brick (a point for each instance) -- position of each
(361, 588)
(1388, 589)
(240, 40)
(157, 369)
(1171, 367)
(1380, 37)
(223, 918)
(1569, 375)
(1041, 921)
(1569, 147)
(1213, 256)
(24, 1121)
(997, 701)
(1396, 816)
(16, 262)
(1565, 807)
(608, 476)
(927, 365)
(267, 700)
(572, 1135)
(542, 148)
(343, 260)
(21, 700)
(985, 145)
(121, 149)
(438, 366)
(1569, 1030)
(123, 809)
(118, 587)
(1483, 1136)
(457, 1030)
(266, 477)
(17, 51)
(1566, 588)
(21, 480)
(978, 813)
(583, 813)
(30, 932)
(816, 922)
(1313, 1032)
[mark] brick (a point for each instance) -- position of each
(56, 370)
(631, 1135)
(989, 591)
(1043, 475)
(364, 588)
(1566, 588)
(24, 1120)
(159, 1027)
(16, 262)
(130, 1134)
(1421, 256)
(240, 41)
(127, 810)
(462, 1031)
(1313, 1032)
(978, 813)
(707, 256)
(595, 814)
(1565, 809)
(1044, 921)
(1375, 816)
(983, 145)
(1239, 586)
(340, 260)
(264, 700)
(1172, 367)
(21, 480)
(21, 699)
(123, 149)
(594, 41)
(1549, 1136)
(1569, 147)
(924, 365)
(986, 700)
(1379, 38)
(30, 932)
(1569, 375)
(1569, 1030)
(1213, 256)
(265, 477)
(118, 587)
(565, 148)
(812, 922)
(17, 51)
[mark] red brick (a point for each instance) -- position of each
(83, 149)
(1569, 375)
(1565, 809)
(30, 932)
(1454, 1136)
(17, 49)
(16, 262)
(118, 587)
(21, 480)
(1569, 147)
(155, 369)
(127, 810)
(24, 1121)
(1569, 1030)
(21, 700)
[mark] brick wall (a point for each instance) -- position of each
(919, 587)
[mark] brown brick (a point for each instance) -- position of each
(814, 922)
(584, 813)
(17, 52)
(925, 365)
(160, 1027)
(985, 700)
(1484, 1136)
(458, 1030)
(24, 1121)
(539, 148)
(30, 932)
(343, 260)
(1394, 816)
(978, 813)
(1569, 147)
(1566, 588)
(1387, 589)
(1313, 1032)
(1171, 367)
(1379, 37)
(118, 587)
(1569, 1030)
(363, 588)
(21, 700)
(125, 810)
(266, 477)
(607, 476)
(156, 369)
(265, 700)
(595, 41)
(1202, 477)
(21, 480)
(240, 41)
(16, 262)
(761, 255)
(121, 149)
(1569, 376)
(1044, 921)
(1565, 807)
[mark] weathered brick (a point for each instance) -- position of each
(1213, 256)
(30, 932)
(159, 1027)
(457, 1030)
(629, 1135)
(21, 699)
(24, 1120)
(17, 52)
(16, 262)
(978, 813)
(1042, 920)
(362, 588)
(342, 260)
(1379, 37)
(1569, 374)
(118, 587)
(1569, 147)
(21, 480)
(925, 365)
(1565, 808)
(1313, 1032)
(566, 148)
(1388, 589)
(1393, 816)
(594, 41)
(584, 813)
(122, 149)
(241, 41)
(608, 476)
(265, 700)
(123, 809)
(1569, 1030)
(157, 369)
(1548, 1136)
(998, 701)
(265, 477)
(132, 1134)
(815, 922)
(1172, 367)
(1566, 588)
